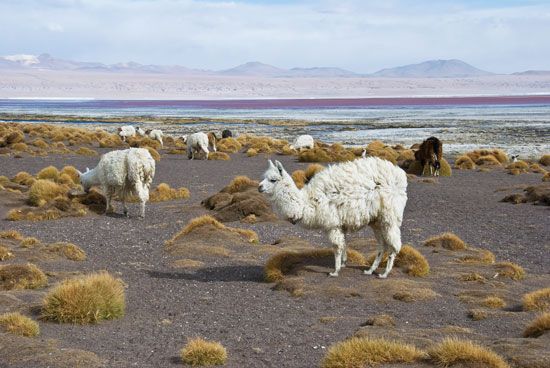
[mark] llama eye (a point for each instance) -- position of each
(273, 180)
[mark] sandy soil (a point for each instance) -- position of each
(228, 301)
(158, 86)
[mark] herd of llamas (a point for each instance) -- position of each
(344, 198)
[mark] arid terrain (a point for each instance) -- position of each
(210, 282)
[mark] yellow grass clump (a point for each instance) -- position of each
(85, 151)
(68, 250)
(477, 314)
(240, 183)
(360, 352)
(23, 178)
(40, 143)
(13, 138)
(299, 177)
(195, 223)
(482, 256)
(411, 261)
(228, 145)
(5, 253)
(154, 153)
(493, 302)
(537, 300)
(446, 240)
(43, 191)
(18, 276)
(163, 192)
(85, 299)
(251, 152)
(72, 172)
(200, 352)
(482, 156)
(49, 173)
(518, 167)
(29, 242)
(18, 324)
(538, 326)
(382, 320)
(464, 163)
(302, 177)
(281, 263)
(20, 147)
(11, 234)
(536, 168)
(218, 156)
(454, 351)
(545, 160)
(546, 177)
(510, 270)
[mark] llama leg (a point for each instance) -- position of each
(345, 253)
(143, 194)
(124, 207)
(379, 251)
(336, 237)
(108, 200)
(392, 238)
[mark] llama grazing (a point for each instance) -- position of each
(155, 134)
(227, 133)
(212, 140)
(302, 141)
(140, 131)
(430, 152)
(125, 172)
(342, 198)
(196, 143)
(126, 132)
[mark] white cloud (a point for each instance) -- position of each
(359, 35)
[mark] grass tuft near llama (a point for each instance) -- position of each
(344, 198)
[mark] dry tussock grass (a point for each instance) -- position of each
(416, 168)
(545, 160)
(195, 223)
(302, 177)
(19, 276)
(240, 184)
(163, 192)
(154, 153)
(483, 155)
(200, 352)
(537, 300)
(29, 242)
(218, 156)
(454, 351)
(85, 299)
(473, 276)
(18, 324)
(44, 191)
(477, 314)
(367, 352)
(23, 178)
(464, 163)
(5, 253)
(228, 145)
(536, 168)
(381, 320)
(72, 172)
(85, 151)
(446, 240)
(334, 153)
(482, 256)
(538, 326)
(493, 302)
(510, 270)
(11, 234)
(251, 152)
(282, 263)
(186, 263)
(49, 173)
(40, 143)
(67, 250)
(546, 177)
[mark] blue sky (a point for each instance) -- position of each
(360, 35)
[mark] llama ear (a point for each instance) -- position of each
(87, 169)
(280, 167)
(271, 164)
(79, 172)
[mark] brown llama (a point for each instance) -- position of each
(430, 152)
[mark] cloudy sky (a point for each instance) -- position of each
(361, 35)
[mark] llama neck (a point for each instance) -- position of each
(289, 200)
(88, 179)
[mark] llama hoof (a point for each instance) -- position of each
(381, 276)
(368, 272)
(333, 274)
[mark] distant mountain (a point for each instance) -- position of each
(254, 68)
(533, 72)
(433, 69)
(324, 72)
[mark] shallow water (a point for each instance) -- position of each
(520, 129)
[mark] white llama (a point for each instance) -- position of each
(342, 198)
(123, 172)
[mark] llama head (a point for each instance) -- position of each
(140, 131)
(148, 131)
(514, 158)
(282, 191)
(85, 179)
(184, 138)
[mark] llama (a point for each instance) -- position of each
(514, 158)
(227, 133)
(342, 198)
(196, 142)
(155, 134)
(140, 131)
(302, 141)
(430, 152)
(212, 140)
(126, 132)
(123, 173)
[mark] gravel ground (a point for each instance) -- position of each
(229, 302)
